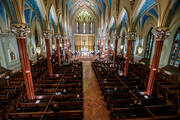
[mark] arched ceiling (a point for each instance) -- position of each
(60, 12)
(96, 6)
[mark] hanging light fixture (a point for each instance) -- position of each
(38, 50)
(121, 47)
(140, 50)
(53, 47)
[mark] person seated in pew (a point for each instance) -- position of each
(63, 81)
(16, 107)
(54, 108)
(135, 104)
(75, 76)
(137, 89)
(120, 72)
(78, 97)
(100, 69)
(64, 91)
(105, 80)
(115, 89)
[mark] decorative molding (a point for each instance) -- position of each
(20, 30)
(131, 35)
(58, 36)
(84, 34)
(47, 34)
(162, 33)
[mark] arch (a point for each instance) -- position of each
(81, 9)
(9, 7)
(175, 53)
(112, 21)
(124, 18)
(40, 10)
(142, 8)
(149, 44)
(53, 17)
(34, 15)
(173, 9)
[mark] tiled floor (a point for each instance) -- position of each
(94, 105)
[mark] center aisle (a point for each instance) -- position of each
(94, 105)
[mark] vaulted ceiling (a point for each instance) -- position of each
(61, 13)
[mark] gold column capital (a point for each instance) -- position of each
(162, 33)
(47, 34)
(20, 30)
(58, 36)
(131, 35)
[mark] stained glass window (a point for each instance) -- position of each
(77, 27)
(149, 44)
(175, 51)
(91, 26)
(84, 27)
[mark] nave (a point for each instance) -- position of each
(57, 97)
(88, 90)
(89, 59)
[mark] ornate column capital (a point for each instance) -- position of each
(47, 34)
(162, 33)
(114, 37)
(20, 30)
(117, 37)
(131, 35)
(58, 36)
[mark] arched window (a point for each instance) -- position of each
(149, 44)
(91, 26)
(175, 51)
(84, 27)
(77, 27)
(122, 47)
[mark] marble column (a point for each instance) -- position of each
(115, 50)
(108, 51)
(100, 47)
(161, 35)
(63, 46)
(47, 36)
(21, 30)
(130, 37)
(58, 50)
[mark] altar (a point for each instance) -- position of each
(84, 43)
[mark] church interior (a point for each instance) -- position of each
(89, 60)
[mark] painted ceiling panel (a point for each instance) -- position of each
(144, 19)
(110, 3)
(175, 6)
(38, 8)
(27, 13)
(96, 5)
(32, 16)
(153, 12)
(10, 7)
(123, 18)
(2, 12)
(145, 5)
(53, 16)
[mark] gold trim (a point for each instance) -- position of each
(84, 34)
